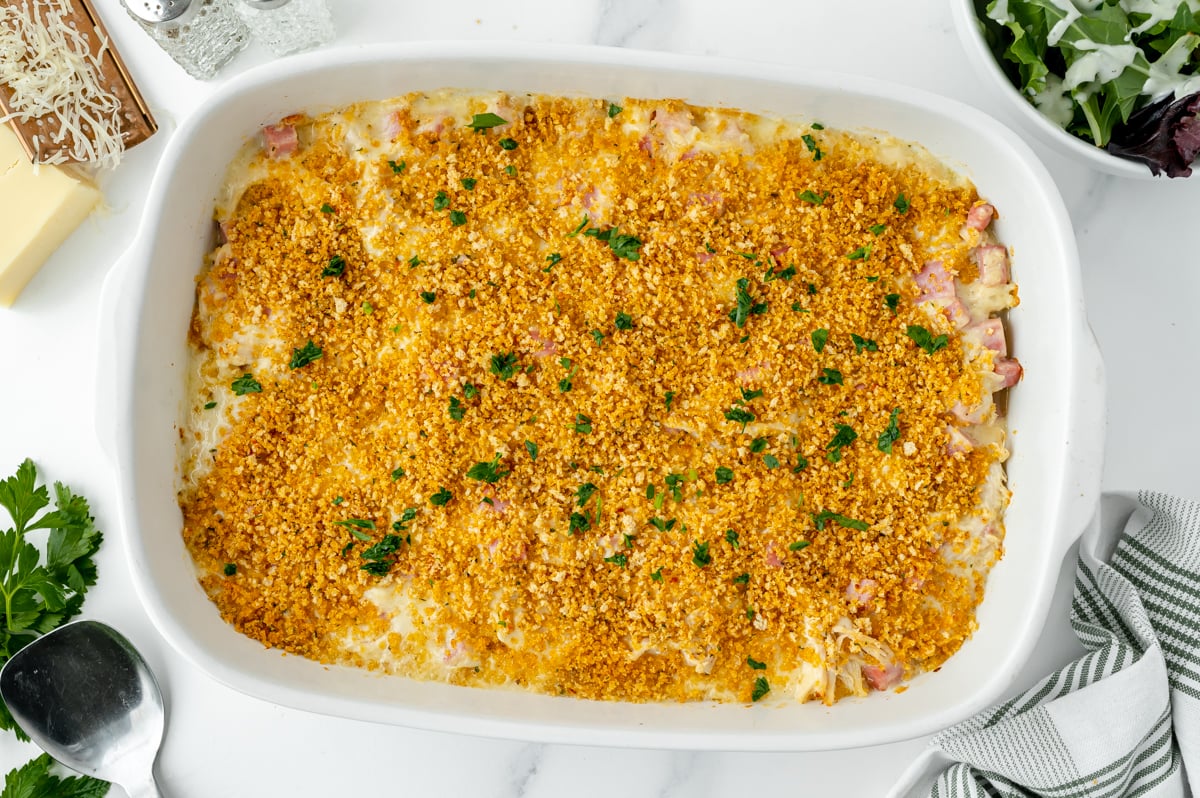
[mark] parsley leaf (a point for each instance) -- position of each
(481, 122)
(504, 365)
(614, 109)
(618, 559)
(724, 475)
(583, 424)
(304, 355)
(892, 301)
(877, 229)
(844, 436)
(746, 306)
(825, 516)
(740, 416)
(922, 338)
(457, 411)
(668, 398)
(770, 461)
(830, 377)
(748, 395)
(335, 268)
(731, 537)
(440, 498)
(657, 575)
(40, 592)
(578, 523)
(532, 448)
(798, 545)
(862, 253)
(624, 321)
(488, 471)
(809, 196)
(742, 579)
(761, 688)
(429, 297)
(819, 337)
(458, 218)
(326, 207)
(901, 204)
(245, 384)
(622, 245)
(700, 555)
(469, 390)
(584, 493)
(441, 202)
(890, 433)
(397, 166)
(861, 343)
(468, 183)
(598, 337)
(397, 473)
(755, 664)
(508, 144)
(34, 780)
(758, 445)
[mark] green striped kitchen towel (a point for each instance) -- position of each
(1124, 719)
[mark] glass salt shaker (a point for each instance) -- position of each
(201, 35)
(287, 26)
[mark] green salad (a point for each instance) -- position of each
(1121, 74)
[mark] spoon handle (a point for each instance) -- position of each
(144, 789)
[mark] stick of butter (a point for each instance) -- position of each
(37, 213)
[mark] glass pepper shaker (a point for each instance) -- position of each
(287, 26)
(201, 35)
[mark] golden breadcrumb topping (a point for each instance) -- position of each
(625, 401)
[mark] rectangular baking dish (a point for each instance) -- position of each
(1056, 413)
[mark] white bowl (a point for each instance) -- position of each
(1057, 412)
(970, 33)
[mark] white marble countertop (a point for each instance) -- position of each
(1142, 282)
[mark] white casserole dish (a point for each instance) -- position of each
(1057, 412)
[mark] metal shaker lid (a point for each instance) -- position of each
(158, 11)
(266, 5)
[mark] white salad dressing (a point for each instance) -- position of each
(1158, 11)
(1103, 62)
(1165, 77)
(1054, 102)
(1070, 14)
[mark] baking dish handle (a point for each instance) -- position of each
(1085, 440)
(116, 314)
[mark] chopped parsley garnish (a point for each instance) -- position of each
(746, 306)
(584, 493)
(662, 524)
(809, 142)
(817, 126)
(488, 471)
(731, 537)
(623, 246)
(825, 516)
(480, 122)
(892, 301)
(504, 365)
(468, 183)
(382, 550)
(230, 569)
(508, 144)
(458, 218)
(441, 202)
(565, 384)
(890, 433)
(598, 337)
(843, 437)
(770, 461)
(922, 338)
(798, 545)
(739, 415)
(758, 445)
(552, 259)
(755, 664)
(877, 229)
(405, 517)
(414, 262)
(356, 523)
(700, 555)
(532, 448)
(457, 411)
(618, 559)
(624, 321)
(510, 170)
(814, 198)
(335, 267)
(583, 424)
(397, 473)
(872, 278)
(724, 475)
(742, 579)
(614, 109)
(469, 390)
(748, 395)
(668, 398)
(784, 274)
(657, 575)
(761, 688)
(326, 208)
(861, 343)
(209, 405)
(901, 204)
(578, 523)
(428, 297)
(819, 337)
(862, 253)
(245, 384)
(830, 377)
(304, 355)
(440, 498)
(397, 166)
(579, 227)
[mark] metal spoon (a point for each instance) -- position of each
(85, 695)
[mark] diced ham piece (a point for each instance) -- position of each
(988, 333)
(704, 257)
(1009, 369)
(670, 131)
(882, 677)
(280, 141)
(391, 125)
(772, 556)
(956, 311)
(549, 348)
(958, 443)
(861, 591)
(993, 264)
(748, 375)
(934, 282)
(708, 199)
(979, 217)
(778, 252)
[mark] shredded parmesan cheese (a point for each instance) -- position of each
(53, 75)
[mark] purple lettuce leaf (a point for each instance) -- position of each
(1164, 135)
